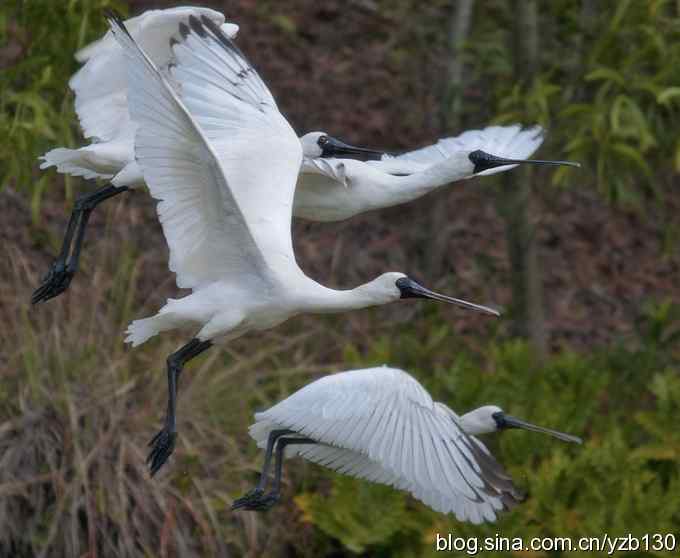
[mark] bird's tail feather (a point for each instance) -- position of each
(140, 331)
(259, 431)
(75, 162)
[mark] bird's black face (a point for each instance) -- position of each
(410, 289)
(501, 423)
(485, 161)
(332, 147)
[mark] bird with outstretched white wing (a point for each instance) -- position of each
(336, 180)
(225, 209)
(381, 425)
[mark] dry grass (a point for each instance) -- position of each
(78, 407)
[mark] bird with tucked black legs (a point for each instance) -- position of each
(381, 425)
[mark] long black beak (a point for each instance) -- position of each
(410, 289)
(508, 421)
(484, 161)
(336, 148)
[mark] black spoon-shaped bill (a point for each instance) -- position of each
(485, 161)
(333, 147)
(410, 289)
(508, 421)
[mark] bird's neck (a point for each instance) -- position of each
(471, 425)
(329, 301)
(420, 183)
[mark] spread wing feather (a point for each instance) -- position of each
(259, 151)
(101, 85)
(381, 425)
(206, 230)
(511, 142)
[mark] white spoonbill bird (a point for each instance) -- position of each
(224, 162)
(336, 189)
(380, 424)
(101, 102)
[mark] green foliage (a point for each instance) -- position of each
(659, 326)
(363, 514)
(612, 107)
(36, 108)
(77, 410)
(631, 106)
(624, 403)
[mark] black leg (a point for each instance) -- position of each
(59, 276)
(163, 444)
(265, 501)
(258, 491)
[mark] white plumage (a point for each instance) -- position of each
(101, 90)
(336, 189)
(101, 96)
(381, 425)
(325, 192)
(330, 186)
(226, 216)
(511, 142)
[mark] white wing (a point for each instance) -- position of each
(208, 234)
(511, 142)
(359, 465)
(259, 151)
(100, 86)
(380, 424)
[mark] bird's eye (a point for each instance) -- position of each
(323, 140)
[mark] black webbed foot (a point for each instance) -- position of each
(61, 272)
(162, 445)
(244, 500)
(55, 282)
(256, 501)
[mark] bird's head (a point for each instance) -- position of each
(491, 418)
(393, 286)
(320, 144)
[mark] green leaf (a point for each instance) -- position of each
(632, 155)
(357, 513)
(606, 74)
(667, 95)
(622, 7)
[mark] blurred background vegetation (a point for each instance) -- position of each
(585, 263)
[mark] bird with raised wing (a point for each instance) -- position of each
(101, 102)
(381, 425)
(336, 180)
(225, 211)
